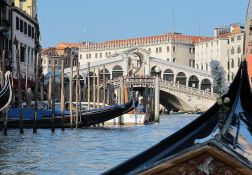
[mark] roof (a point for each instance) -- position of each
(176, 37)
(65, 45)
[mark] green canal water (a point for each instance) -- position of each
(81, 151)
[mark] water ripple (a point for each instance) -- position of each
(80, 151)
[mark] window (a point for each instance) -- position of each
(174, 60)
(206, 67)
(190, 50)
(80, 56)
(25, 28)
(228, 65)
(239, 37)
(50, 61)
(156, 49)
(239, 49)
(86, 56)
(160, 49)
(201, 66)
(55, 62)
(239, 62)
(89, 56)
(100, 55)
(168, 49)
(232, 39)
(29, 30)
(174, 49)
(149, 49)
(232, 63)
(22, 54)
(197, 66)
(32, 34)
(232, 50)
(21, 26)
(17, 23)
(96, 55)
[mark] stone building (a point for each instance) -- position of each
(226, 46)
(62, 51)
(5, 35)
(172, 47)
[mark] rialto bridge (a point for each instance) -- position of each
(181, 87)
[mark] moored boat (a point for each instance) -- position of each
(217, 142)
(86, 118)
(6, 92)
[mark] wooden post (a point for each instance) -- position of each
(98, 89)
(77, 97)
(3, 68)
(50, 91)
(26, 85)
(36, 93)
(62, 101)
(79, 100)
(88, 90)
(157, 99)
(71, 92)
(53, 99)
(104, 86)
(94, 89)
(5, 112)
(21, 128)
(121, 119)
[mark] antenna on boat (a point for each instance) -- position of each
(247, 30)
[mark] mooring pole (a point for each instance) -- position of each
(104, 86)
(26, 85)
(77, 97)
(98, 89)
(71, 92)
(62, 101)
(157, 99)
(121, 119)
(21, 128)
(53, 99)
(88, 90)
(5, 112)
(94, 89)
(36, 93)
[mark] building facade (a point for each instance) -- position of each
(5, 35)
(28, 6)
(173, 47)
(226, 46)
(62, 51)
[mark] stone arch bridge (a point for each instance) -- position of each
(182, 87)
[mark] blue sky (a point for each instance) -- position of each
(101, 20)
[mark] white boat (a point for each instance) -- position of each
(137, 117)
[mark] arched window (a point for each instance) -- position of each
(232, 50)
(181, 78)
(168, 75)
(232, 63)
(193, 81)
(117, 72)
(239, 49)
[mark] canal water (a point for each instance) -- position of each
(81, 151)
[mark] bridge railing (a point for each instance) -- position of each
(186, 89)
(150, 82)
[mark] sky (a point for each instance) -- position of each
(103, 20)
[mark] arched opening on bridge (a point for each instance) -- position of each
(117, 72)
(168, 75)
(155, 71)
(206, 85)
(181, 78)
(193, 81)
(107, 74)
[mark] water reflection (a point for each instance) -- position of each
(80, 151)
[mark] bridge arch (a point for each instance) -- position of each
(117, 71)
(168, 75)
(155, 71)
(206, 85)
(193, 81)
(181, 78)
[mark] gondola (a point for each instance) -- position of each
(207, 145)
(87, 118)
(6, 92)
